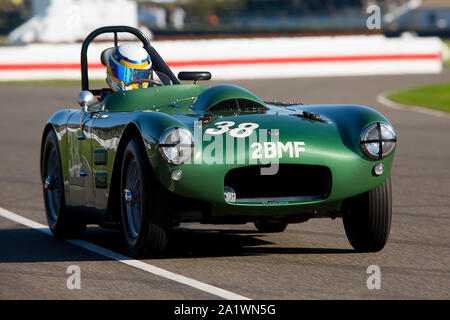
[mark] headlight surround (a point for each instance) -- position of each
(378, 140)
(176, 145)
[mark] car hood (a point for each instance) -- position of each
(228, 111)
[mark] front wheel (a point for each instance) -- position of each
(367, 218)
(143, 204)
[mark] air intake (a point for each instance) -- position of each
(292, 182)
(237, 105)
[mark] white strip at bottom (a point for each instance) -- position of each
(381, 98)
(126, 260)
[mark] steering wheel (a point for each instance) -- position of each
(142, 81)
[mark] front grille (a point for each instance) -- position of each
(237, 105)
(292, 182)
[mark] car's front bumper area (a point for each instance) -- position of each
(296, 193)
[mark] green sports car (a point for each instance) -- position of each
(148, 159)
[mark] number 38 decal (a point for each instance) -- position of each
(243, 130)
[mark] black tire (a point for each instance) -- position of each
(367, 218)
(62, 223)
(143, 201)
(269, 226)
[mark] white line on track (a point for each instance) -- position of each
(381, 98)
(126, 260)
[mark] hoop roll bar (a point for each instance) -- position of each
(158, 62)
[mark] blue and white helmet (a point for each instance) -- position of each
(128, 63)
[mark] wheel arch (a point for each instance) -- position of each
(58, 123)
(350, 120)
(130, 131)
(48, 127)
(147, 126)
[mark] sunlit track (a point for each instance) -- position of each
(126, 260)
(312, 260)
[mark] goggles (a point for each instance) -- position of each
(128, 75)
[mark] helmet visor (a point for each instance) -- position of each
(128, 75)
(142, 74)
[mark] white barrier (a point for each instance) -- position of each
(56, 21)
(243, 58)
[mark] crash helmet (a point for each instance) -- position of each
(126, 64)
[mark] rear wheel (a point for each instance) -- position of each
(367, 218)
(143, 204)
(269, 226)
(61, 223)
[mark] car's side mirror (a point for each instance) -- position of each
(194, 75)
(86, 99)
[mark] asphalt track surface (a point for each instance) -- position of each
(312, 260)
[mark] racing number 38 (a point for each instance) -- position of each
(271, 149)
(243, 130)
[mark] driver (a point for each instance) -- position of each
(128, 68)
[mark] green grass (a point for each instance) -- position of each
(435, 96)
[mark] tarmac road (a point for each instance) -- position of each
(312, 260)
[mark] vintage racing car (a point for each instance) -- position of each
(148, 159)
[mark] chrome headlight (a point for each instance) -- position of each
(176, 145)
(378, 140)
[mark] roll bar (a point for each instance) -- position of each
(157, 61)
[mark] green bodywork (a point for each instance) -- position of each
(148, 113)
